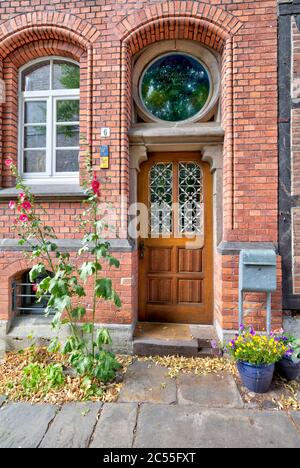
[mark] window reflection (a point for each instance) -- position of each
(175, 87)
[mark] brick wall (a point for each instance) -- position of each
(104, 36)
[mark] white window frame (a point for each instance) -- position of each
(51, 97)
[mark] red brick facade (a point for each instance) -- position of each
(104, 37)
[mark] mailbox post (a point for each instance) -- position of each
(257, 273)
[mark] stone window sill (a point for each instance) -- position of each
(61, 191)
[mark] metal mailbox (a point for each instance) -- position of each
(257, 271)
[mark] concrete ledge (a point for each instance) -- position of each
(67, 245)
(40, 328)
(234, 248)
(153, 133)
(62, 191)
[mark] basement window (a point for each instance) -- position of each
(24, 300)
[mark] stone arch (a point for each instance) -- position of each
(29, 36)
(12, 270)
(155, 17)
(30, 27)
(194, 20)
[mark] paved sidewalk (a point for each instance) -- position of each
(153, 411)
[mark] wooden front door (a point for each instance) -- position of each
(176, 265)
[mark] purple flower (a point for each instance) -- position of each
(242, 327)
(252, 331)
(232, 342)
(289, 353)
(214, 344)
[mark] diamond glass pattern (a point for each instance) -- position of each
(161, 197)
(190, 198)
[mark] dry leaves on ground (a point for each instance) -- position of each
(11, 374)
(193, 365)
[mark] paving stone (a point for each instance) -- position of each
(73, 426)
(191, 427)
(23, 425)
(115, 428)
(210, 390)
(296, 417)
(146, 382)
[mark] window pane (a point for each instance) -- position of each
(67, 160)
(67, 136)
(36, 112)
(175, 87)
(37, 77)
(68, 111)
(35, 137)
(65, 75)
(34, 161)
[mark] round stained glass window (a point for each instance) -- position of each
(175, 87)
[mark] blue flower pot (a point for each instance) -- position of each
(257, 379)
(288, 369)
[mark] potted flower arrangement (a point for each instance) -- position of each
(289, 366)
(256, 356)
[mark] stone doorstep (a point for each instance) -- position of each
(192, 348)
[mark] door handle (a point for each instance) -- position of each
(142, 249)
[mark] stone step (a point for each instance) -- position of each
(192, 348)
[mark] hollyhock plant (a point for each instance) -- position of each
(8, 162)
(26, 205)
(95, 185)
(24, 218)
(73, 293)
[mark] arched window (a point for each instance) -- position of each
(49, 91)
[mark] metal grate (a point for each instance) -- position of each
(24, 300)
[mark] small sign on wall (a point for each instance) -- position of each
(104, 156)
(105, 132)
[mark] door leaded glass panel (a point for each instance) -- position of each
(161, 198)
(190, 198)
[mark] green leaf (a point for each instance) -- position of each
(62, 303)
(58, 286)
(44, 284)
(54, 346)
(87, 269)
(116, 299)
(113, 262)
(78, 313)
(36, 271)
(103, 288)
(88, 327)
(103, 338)
(79, 291)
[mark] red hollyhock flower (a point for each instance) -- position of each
(34, 287)
(96, 186)
(23, 218)
(26, 205)
(12, 205)
(8, 162)
(22, 196)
